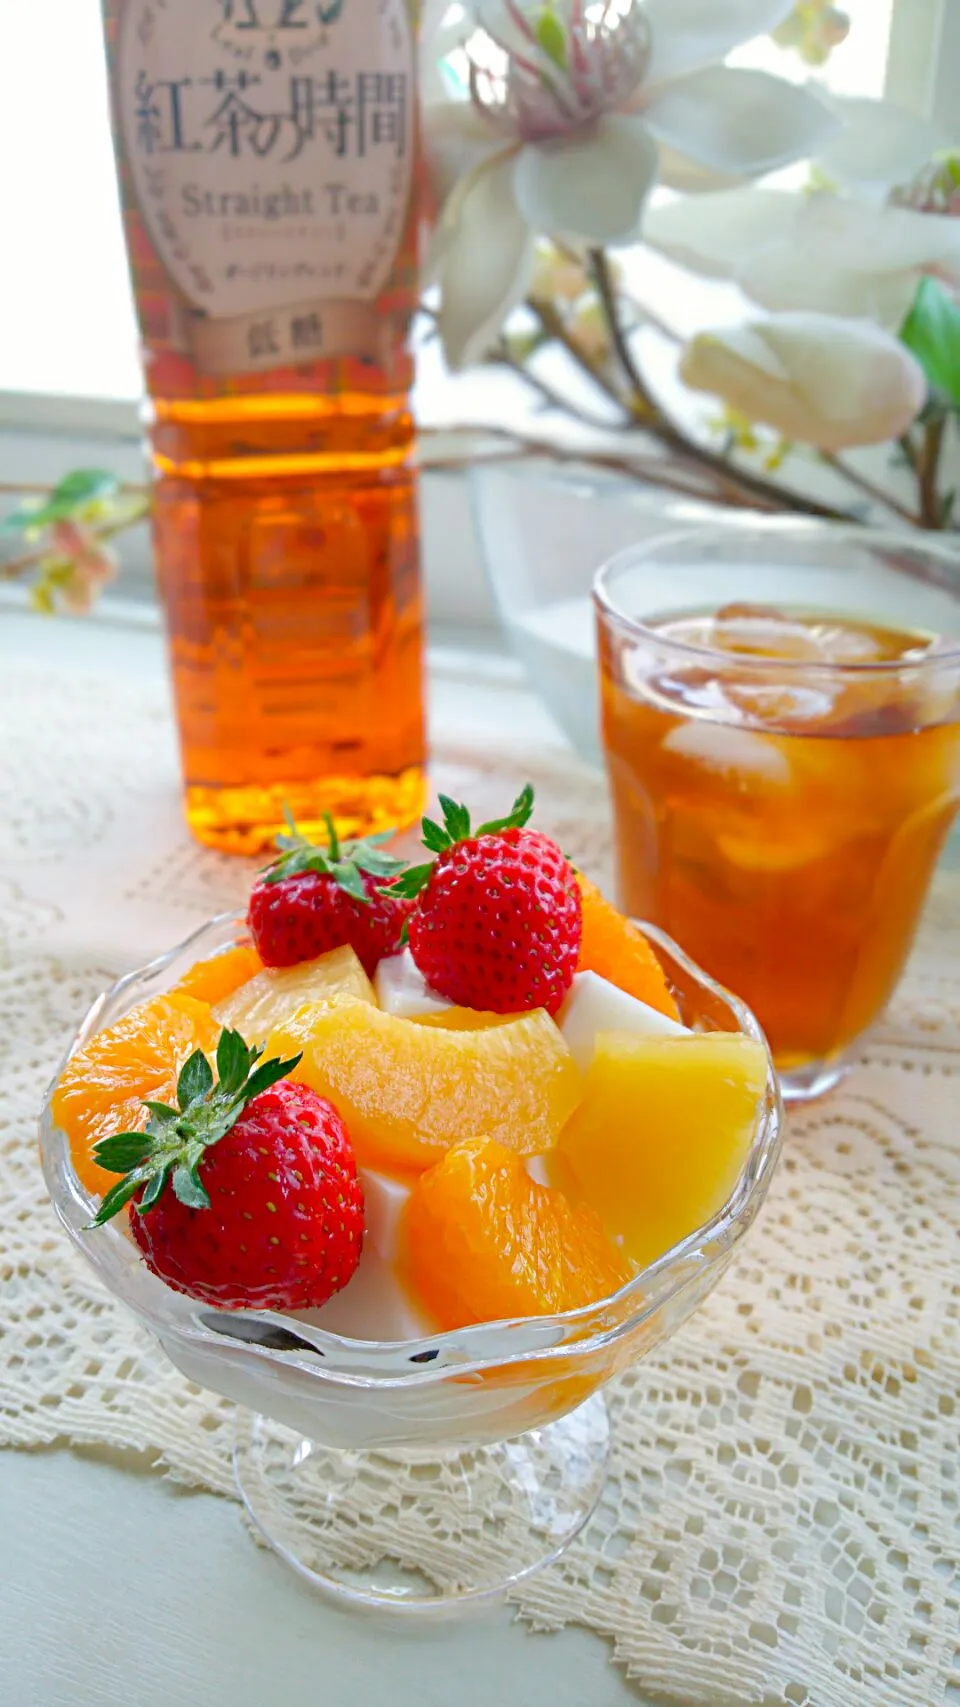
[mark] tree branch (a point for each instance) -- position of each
(653, 470)
(928, 468)
(606, 291)
(876, 494)
(554, 326)
(502, 357)
(767, 493)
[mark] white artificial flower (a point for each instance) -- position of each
(859, 247)
(573, 107)
(813, 378)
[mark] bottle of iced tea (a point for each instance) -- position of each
(268, 163)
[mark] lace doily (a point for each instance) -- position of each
(781, 1521)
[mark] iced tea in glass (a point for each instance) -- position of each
(784, 768)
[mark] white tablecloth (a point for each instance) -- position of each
(780, 1525)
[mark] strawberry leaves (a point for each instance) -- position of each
(413, 880)
(345, 862)
(519, 815)
(172, 1146)
(437, 838)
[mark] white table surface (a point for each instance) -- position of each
(119, 1590)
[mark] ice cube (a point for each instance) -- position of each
(402, 990)
(774, 702)
(934, 689)
(761, 631)
(839, 643)
(594, 1005)
(735, 754)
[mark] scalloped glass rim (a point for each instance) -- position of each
(409, 1363)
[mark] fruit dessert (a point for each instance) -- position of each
(414, 1097)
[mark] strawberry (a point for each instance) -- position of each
(497, 920)
(245, 1196)
(315, 899)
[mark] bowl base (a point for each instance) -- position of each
(419, 1534)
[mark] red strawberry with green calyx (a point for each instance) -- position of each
(246, 1195)
(312, 900)
(497, 922)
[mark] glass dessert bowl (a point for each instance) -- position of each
(496, 1434)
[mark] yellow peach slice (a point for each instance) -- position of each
(408, 1091)
(277, 993)
(661, 1135)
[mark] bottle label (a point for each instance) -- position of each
(270, 144)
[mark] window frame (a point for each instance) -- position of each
(923, 61)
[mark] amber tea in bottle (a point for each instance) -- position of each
(268, 164)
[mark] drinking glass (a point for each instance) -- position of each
(782, 816)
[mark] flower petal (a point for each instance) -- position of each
(847, 257)
(863, 238)
(689, 34)
(740, 122)
(593, 187)
(677, 172)
(456, 137)
(484, 263)
(822, 252)
(812, 377)
(713, 233)
(776, 279)
(879, 144)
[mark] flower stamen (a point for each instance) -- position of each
(586, 61)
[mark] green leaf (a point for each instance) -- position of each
(116, 1198)
(301, 857)
(348, 878)
(175, 1141)
(269, 1073)
(932, 331)
(551, 37)
(333, 840)
(162, 1113)
(125, 1150)
(155, 1187)
(433, 837)
(195, 1081)
(341, 860)
(455, 817)
(73, 493)
(234, 1061)
(411, 882)
(188, 1188)
(517, 817)
(377, 863)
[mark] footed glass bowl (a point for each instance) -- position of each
(367, 1464)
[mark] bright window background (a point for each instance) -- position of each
(67, 324)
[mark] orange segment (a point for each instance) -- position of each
(661, 1136)
(612, 946)
(408, 1091)
(102, 1087)
(481, 1241)
(215, 979)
